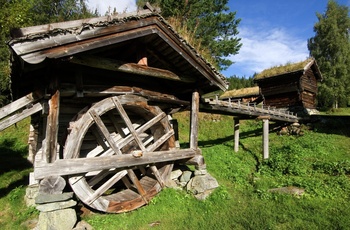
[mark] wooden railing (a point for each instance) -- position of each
(236, 107)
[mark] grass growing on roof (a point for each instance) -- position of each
(282, 69)
(244, 92)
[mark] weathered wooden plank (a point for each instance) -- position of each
(120, 66)
(107, 185)
(50, 141)
(194, 120)
(98, 138)
(157, 175)
(20, 116)
(121, 142)
(73, 24)
(116, 124)
(137, 184)
(160, 141)
(83, 165)
(19, 104)
(128, 123)
(105, 132)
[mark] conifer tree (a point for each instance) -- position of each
(210, 22)
(331, 48)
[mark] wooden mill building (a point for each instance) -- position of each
(291, 86)
(100, 92)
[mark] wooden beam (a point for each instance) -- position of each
(194, 120)
(19, 104)
(83, 165)
(132, 68)
(7, 122)
(50, 141)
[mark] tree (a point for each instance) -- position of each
(48, 11)
(210, 22)
(13, 14)
(331, 48)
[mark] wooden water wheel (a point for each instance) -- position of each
(121, 125)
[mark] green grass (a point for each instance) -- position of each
(317, 161)
(14, 171)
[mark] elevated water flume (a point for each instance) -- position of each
(248, 111)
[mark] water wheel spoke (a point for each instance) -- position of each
(157, 175)
(98, 138)
(116, 124)
(103, 188)
(127, 183)
(98, 150)
(128, 122)
(142, 170)
(104, 131)
(137, 184)
(160, 141)
(141, 129)
(97, 176)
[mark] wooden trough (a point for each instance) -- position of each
(100, 93)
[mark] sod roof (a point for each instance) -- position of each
(238, 93)
(288, 68)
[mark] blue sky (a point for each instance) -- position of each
(273, 32)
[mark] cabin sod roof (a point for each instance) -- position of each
(283, 70)
(244, 92)
(65, 40)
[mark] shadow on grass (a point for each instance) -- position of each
(224, 140)
(12, 159)
(331, 124)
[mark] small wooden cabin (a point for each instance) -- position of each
(292, 86)
(245, 95)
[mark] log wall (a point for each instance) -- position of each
(289, 90)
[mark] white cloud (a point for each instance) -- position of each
(120, 5)
(266, 48)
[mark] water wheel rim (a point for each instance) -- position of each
(129, 198)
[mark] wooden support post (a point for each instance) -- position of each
(236, 133)
(194, 120)
(175, 126)
(265, 138)
(50, 141)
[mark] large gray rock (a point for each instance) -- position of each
(186, 176)
(43, 198)
(57, 220)
(31, 193)
(83, 225)
(202, 185)
(56, 206)
(52, 185)
(174, 175)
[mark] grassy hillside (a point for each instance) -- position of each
(318, 161)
